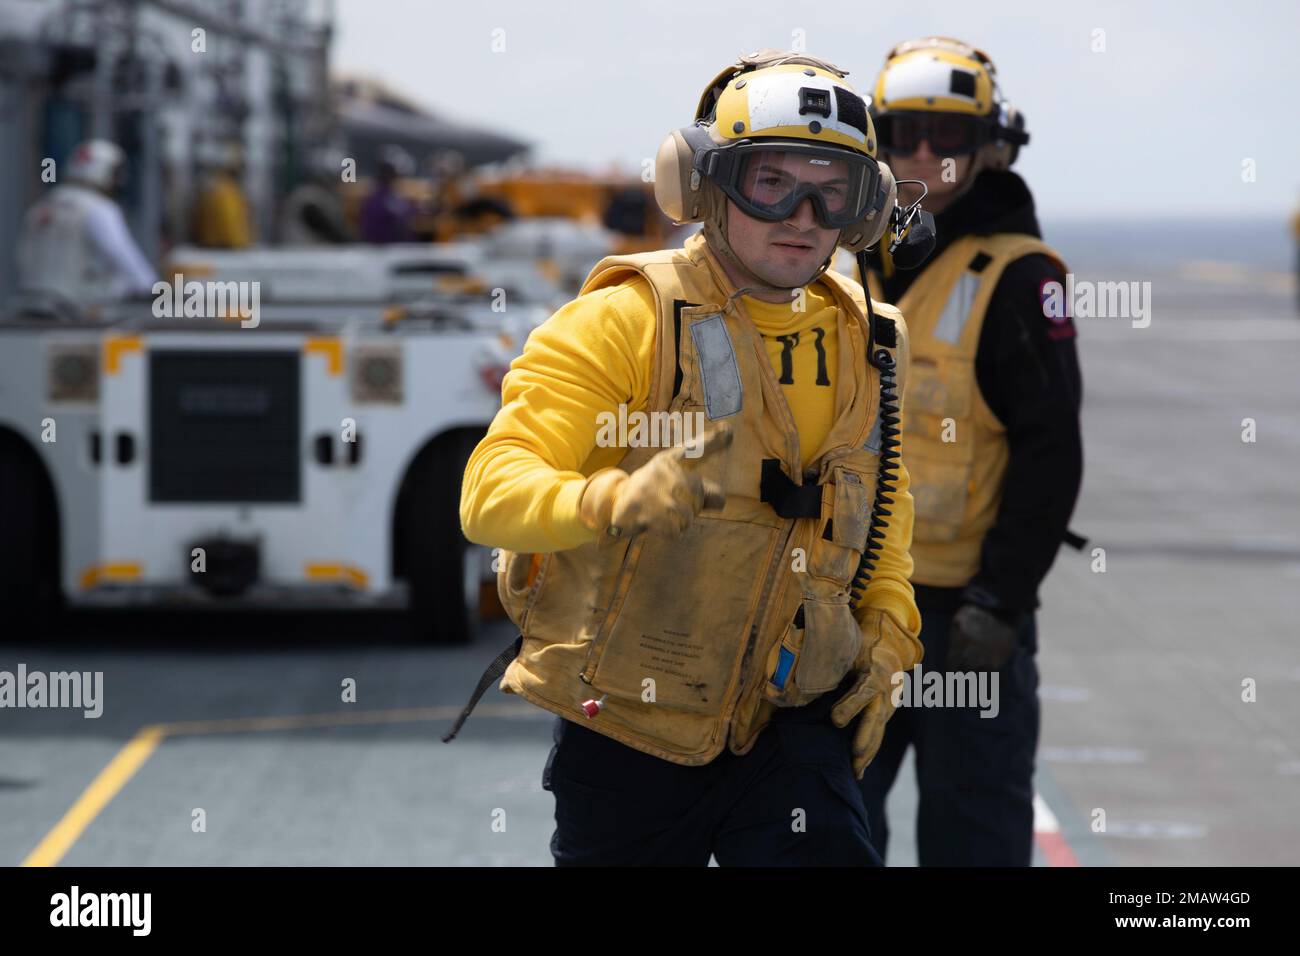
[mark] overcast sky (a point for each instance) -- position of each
(1158, 124)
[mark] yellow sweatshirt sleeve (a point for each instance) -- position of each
(890, 588)
(524, 480)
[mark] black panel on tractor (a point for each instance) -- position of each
(224, 426)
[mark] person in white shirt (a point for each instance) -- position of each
(75, 243)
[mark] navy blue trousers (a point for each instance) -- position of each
(975, 774)
(791, 801)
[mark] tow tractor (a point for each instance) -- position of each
(315, 459)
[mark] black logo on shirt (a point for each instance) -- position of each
(788, 343)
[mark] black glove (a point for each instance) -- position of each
(979, 640)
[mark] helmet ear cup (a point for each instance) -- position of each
(869, 230)
(1000, 154)
(677, 184)
(670, 184)
(1016, 120)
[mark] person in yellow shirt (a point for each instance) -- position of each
(220, 217)
(704, 519)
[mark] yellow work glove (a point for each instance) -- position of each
(663, 495)
(872, 696)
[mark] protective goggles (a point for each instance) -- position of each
(770, 181)
(949, 134)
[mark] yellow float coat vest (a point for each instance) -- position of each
(681, 637)
(954, 446)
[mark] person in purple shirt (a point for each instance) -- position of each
(386, 216)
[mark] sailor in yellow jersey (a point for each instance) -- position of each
(700, 617)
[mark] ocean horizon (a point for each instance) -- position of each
(1260, 243)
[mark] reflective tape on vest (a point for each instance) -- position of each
(872, 444)
(718, 370)
(956, 311)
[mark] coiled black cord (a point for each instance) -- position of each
(890, 430)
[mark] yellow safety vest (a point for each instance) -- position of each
(955, 447)
(682, 638)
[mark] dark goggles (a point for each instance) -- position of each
(949, 134)
(769, 181)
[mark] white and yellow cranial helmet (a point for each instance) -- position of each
(947, 91)
(766, 101)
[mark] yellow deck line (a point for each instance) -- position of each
(96, 797)
(133, 755)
